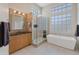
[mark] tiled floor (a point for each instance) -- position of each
(45, 49)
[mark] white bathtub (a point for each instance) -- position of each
(66, 42)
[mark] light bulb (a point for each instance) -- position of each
(19, 12)
(14, 11)
(23, 14)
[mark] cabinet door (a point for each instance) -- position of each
(23, 40)
(29, 38)
(19, 41)
(13, 44)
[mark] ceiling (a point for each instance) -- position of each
(43, 4)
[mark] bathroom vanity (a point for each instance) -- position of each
(20, 34)
(19, 40)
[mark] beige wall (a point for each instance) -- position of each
(46, 12)
(3, 12)
(78, 14)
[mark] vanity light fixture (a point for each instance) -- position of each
(14, 11)
(23, 14)
(19, 13)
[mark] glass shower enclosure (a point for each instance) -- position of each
(39, 29)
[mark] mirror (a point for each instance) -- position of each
(20, 21)
(17, 22)
(16, 19)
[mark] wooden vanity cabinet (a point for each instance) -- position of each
(19, 41)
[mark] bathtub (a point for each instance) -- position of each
(63, 41)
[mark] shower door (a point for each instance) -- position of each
(39, 26)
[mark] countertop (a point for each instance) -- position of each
(13, 33)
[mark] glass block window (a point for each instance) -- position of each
(35, 12)
(61, 22)
(61, 8)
